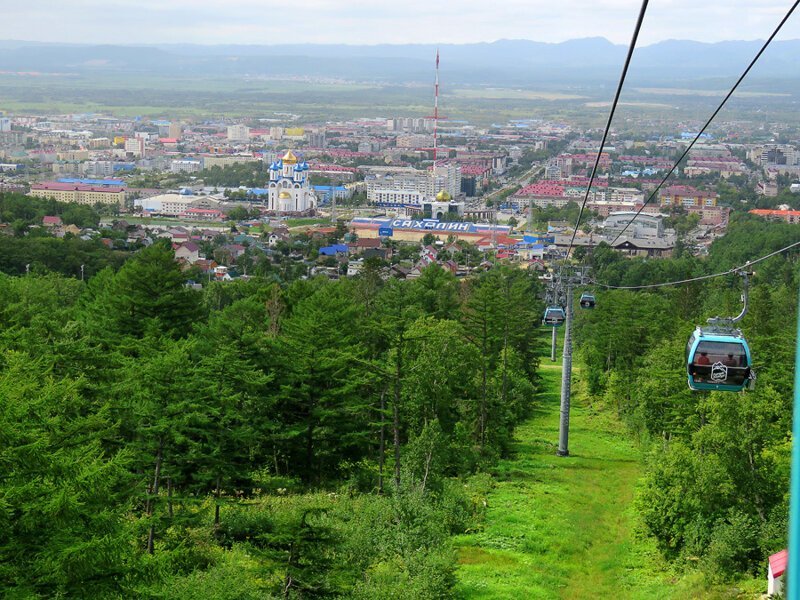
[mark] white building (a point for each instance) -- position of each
(238, 133)
(616, 194)
(5, 124)
(387, 185)
(135, 146)
(98, 168)
(170, 205)
(775, 154)
(410, 124)
(289, 189)
(414, 141)
(185, 166)
(226, 160)
(644, 225)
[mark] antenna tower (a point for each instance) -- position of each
(435, 112)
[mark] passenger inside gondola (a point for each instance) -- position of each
(731, 361)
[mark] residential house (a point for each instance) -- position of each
(354, 267)
(361, 244)
(382, 253)
(775, 573)
(428, 255)
(178, 234)
(451, 266)
(235, 250)
(60, 232)
(205, 265)
(334, 250)
(51, 221)
(277, 236)
(188, 252)
(399, 272)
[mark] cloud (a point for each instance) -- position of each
(368, 22)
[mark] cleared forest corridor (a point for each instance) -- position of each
(562, 527)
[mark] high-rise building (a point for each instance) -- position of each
(5, 124)
(175, 130)
(410, 125)
(775, 154)
(98, 168)
(238, 133)
(316, 139)
(407, 186)
(135, 146)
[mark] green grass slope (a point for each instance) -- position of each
(563, 527)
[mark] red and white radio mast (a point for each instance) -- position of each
(435, 112)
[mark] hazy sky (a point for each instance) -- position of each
(387, 21)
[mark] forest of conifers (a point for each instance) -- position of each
(325, 439)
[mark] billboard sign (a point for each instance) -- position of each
(385, 231)
(430, 225)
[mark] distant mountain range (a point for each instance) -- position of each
(589, 61)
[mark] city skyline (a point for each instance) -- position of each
(357, 22)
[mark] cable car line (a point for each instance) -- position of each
(700, 278)
(708, 122)
(631, 48)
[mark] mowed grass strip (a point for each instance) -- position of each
(562, 527)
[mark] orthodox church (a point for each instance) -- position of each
(289, 189)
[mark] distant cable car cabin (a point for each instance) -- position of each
(718, 359)
(554, 316)
(587, 300)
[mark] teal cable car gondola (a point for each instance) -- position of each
(554, 316)
(587, 300)
(718, 359)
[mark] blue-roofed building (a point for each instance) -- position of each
(688, 135)
(114, 182)
(327, 192)
(334, 250)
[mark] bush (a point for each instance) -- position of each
(734, 547)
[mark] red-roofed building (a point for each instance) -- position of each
(475, 170)
(543, 194)
(777, 568)
(51, 221)
(790, 216)
(542, 188)
(576, 180)
(79, 193)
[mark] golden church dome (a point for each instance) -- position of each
(289, 158)
(443, 196)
